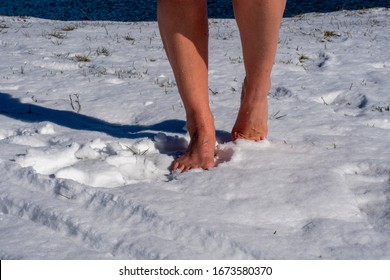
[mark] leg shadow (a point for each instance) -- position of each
(13, 108)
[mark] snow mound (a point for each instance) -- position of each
(100, 164)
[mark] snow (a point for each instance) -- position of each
(85, 147)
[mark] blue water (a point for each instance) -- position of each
(145, 10)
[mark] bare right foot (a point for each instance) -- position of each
(201, 150)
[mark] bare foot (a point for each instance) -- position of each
(252, 119)
(201, 150)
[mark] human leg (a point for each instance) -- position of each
(184, 30)
(258, 22)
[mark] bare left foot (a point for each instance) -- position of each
(252, 119)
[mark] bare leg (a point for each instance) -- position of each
(184, 30)
(258, 22)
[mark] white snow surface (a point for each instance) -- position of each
(85, 147)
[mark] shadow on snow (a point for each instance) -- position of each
(13, 108)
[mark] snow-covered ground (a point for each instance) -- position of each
(90, 121)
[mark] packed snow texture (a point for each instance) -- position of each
(90, 121)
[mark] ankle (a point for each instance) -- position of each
(200, 123)
(256, 92)
(203, 116)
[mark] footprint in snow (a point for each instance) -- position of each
(281, 93)
(323, 60)
(348, 103)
